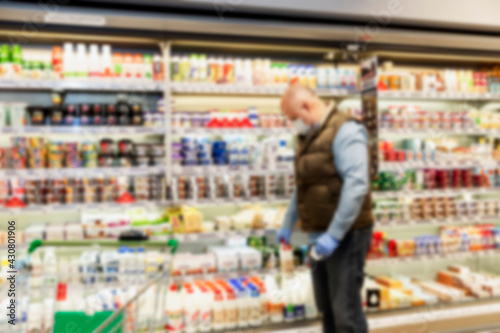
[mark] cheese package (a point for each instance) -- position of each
(185, 219)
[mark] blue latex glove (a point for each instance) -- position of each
(284, 234)
(326, 245)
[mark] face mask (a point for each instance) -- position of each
(301, 127)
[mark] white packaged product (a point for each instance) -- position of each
(206, 301)
(54, 232)
(174, 312)
(33, 232)
(191, 309)
(73, 231)
(35, 315)
(249, 258)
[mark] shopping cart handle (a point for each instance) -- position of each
(35, 244)
(174, 244)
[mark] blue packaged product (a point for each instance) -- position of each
(220, 161)
(219, 145)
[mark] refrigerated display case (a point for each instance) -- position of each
(211, 140)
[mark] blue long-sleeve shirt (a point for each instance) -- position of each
(350, 152)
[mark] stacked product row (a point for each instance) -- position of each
(428, 179)
(66, 62)
(257, 72)
(36, 153)
(232, 150)
(122, 113)
(240, 118)
(66, 191)
(449, 240)
(16, 192)
(447, 80)
(410, 117)
(99, 281)
(437, 150)
(456, 283)
(154, 225)
(434, 208)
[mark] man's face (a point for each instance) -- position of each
(297, 109)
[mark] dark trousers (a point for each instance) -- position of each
(337, 283)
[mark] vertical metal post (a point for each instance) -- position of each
(167, 97)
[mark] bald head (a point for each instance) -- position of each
(300, 102)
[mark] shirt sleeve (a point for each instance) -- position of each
(350, 151)
(292, 214)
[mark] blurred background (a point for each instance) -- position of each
(145, 165)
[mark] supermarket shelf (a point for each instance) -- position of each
(195, 237)
(239, 131)
(108, 206)
(99, 130)
(438, 132)
(437, 222)
(230, 170)
(233, 89)
(79, 172)
(440, 256)
(104, 243)
(227, 201)
(437, 95)
(83, 84)
(455, 316)
(434, 192)
(409, 165)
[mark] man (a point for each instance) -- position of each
(332, 201)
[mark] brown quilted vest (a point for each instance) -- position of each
(318, 183)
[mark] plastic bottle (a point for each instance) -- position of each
(117, 65)
(137, 67)
(231, 309)
(131, 266)
(148, 67)
(185, 68)
(158, 70)
(110, 265)
(36, 270)
(310, 303)
(248, 72)
(311, 77)
(219, 311)
(140, 264)
(239, 71)
(205, 301)
(49, 268)
(57, 62)
(288, 310)
(191, 309)
(34, 317)
(68, 60)
(106, 61)
(202, 68)
(82, 69)
(175, 68)
(266, 72)
(193, 68)
(302, 72)
(173, 311)
(128, 66)
(123, 264)
(255, 306)
(95, 65)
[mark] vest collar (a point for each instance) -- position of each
(318, 128)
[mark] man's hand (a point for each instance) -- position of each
(326, 245)
(284, 234)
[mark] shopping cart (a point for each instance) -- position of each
(129, 316)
